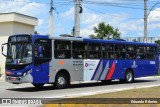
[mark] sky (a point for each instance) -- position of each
(126, 15)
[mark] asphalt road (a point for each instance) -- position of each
(8, 90)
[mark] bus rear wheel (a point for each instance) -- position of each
(129, 77)
(38, 85)
(61, 81)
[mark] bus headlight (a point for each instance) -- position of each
(26, 73)
(9, 73)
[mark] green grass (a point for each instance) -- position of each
(159, 73)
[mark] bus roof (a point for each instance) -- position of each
(103, 41)
(91, 40)
(119, 42)
(67, 38)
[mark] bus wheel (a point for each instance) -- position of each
(61, 81)
(38, 85)
(129, 77)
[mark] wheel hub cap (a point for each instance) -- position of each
(129, 77)
(61, 80)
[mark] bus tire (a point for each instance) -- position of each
(129, 76)
(38, 85)
(61, 81)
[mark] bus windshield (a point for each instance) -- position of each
(19, 53)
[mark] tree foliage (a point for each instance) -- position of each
(104, 31)
(158, 42)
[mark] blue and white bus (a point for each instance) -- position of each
(41, 59)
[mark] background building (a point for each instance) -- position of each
(14, 23)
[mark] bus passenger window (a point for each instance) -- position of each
(119, 51)
(151, 53)
(38, 52)
(79, 50)
(62, 55)
(94, 51)
(105, 55)
(107, 50)
(111, 55)
(94, 55)
(130, 52)
(42, 51)
(62, 49)
(141, 52)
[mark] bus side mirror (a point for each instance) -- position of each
(3, 49)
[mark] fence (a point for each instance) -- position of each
(141, 39)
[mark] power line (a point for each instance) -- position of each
(65, 2)
(108, 13)
(23, 1)
(136, 5)
(71, 1)
(129, 5)
(113, 5)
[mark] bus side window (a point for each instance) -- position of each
(107, 51)
(119, 51)
(79, 50)
(38, 51)
(95, 50)
(141, 52)
(62, 54)
(42, 51)
(62, 49)
(151, 53)
(131, 52)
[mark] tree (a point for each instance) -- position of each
(158, 42)
(36, 32)
(104, 31)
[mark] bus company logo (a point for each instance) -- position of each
(86, 64)
(89, 64)
(134, 64)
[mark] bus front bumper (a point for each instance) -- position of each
(26, 79)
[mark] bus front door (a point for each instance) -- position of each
(42, 58)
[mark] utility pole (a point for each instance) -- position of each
(51, 19)
(145, 21)
(77, 19)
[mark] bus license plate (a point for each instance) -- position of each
(12, 78)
